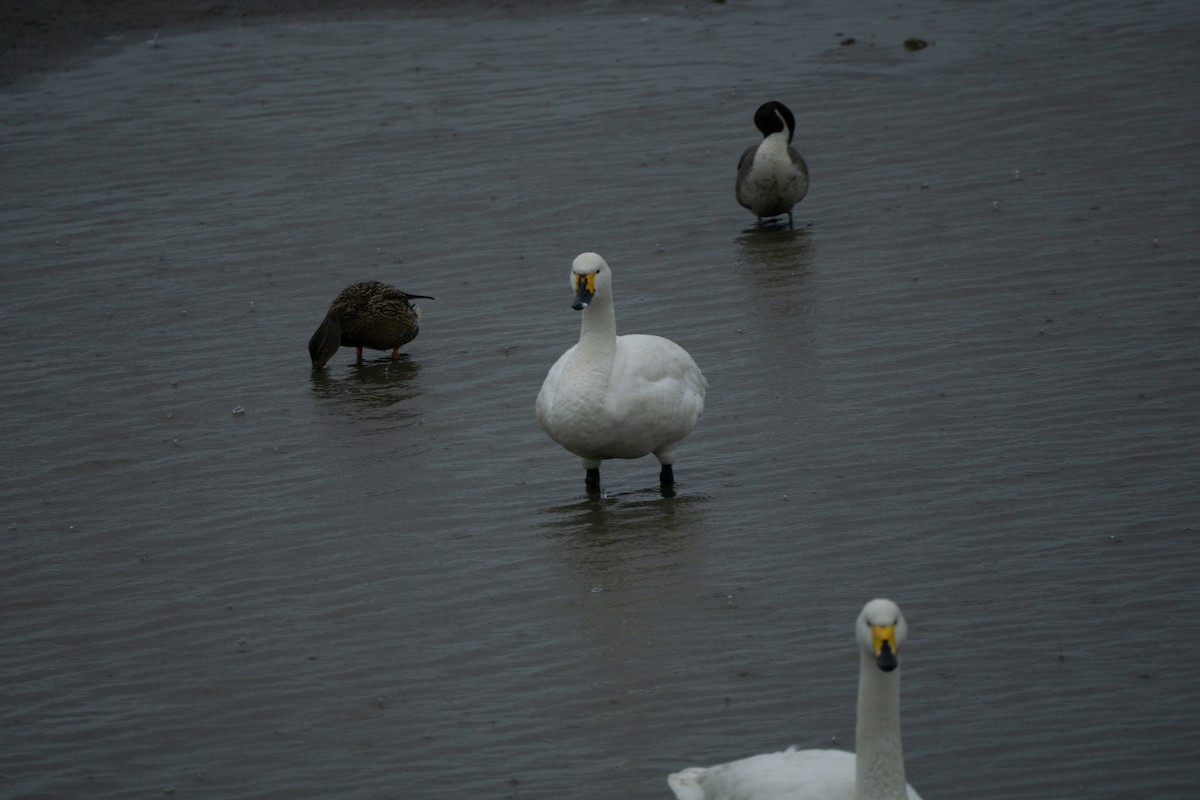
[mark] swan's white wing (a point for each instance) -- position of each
(654, 398)
(647, 403)
(655, 376)
(788, 775)
(550, 397)
(687, 783)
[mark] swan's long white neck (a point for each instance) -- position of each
(598, 328)
(879, 759)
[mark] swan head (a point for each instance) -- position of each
(589, 273)
(881, 630)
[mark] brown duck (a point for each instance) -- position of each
(368, 314)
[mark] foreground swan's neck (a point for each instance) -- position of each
(879, 759)
(598, 329)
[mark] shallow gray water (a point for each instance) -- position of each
(972, 389)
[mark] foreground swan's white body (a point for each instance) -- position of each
(772, 177)
(876, 772)
(615, 396)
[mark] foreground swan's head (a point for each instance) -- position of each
(881, 630)
(589, 275)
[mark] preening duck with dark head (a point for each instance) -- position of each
(772, 177)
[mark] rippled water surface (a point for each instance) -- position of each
(967, 380)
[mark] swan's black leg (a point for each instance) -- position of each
(667, 476)
(592, 481)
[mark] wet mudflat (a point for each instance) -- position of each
(968, 380)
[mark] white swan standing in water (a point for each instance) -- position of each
(875, 772)
(615, 396)
(772, 177)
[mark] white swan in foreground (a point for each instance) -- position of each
(876, 772)
(615, 396)
(771, 176)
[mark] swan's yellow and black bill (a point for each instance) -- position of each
(585, 290)
(883, 641)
